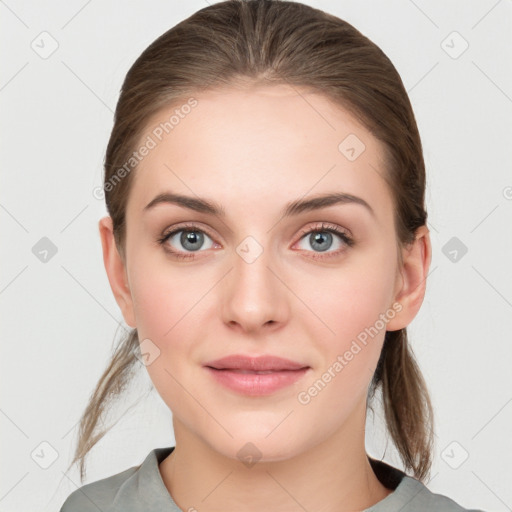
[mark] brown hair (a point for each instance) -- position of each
(279, 42)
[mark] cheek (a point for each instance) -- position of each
(349, 303)
(169, 307)
(351, 310)
(162, 295)
(354, 308)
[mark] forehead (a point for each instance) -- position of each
(264, 144)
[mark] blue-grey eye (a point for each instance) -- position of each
(322, 241)
(190, 240)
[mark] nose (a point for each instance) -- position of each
(253, 296)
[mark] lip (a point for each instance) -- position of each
(239, 373)
(260, 363)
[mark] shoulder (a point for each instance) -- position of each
(409, 494)
(97, 495)
(135, 489)
(415, 496)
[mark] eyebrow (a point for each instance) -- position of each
(293, 208)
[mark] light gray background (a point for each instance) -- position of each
(60, 318)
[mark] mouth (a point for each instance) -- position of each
(260, 364)
(255, 382)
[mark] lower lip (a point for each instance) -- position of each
(256, 384)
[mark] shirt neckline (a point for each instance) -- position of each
(152, 490)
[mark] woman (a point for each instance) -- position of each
(267, 243)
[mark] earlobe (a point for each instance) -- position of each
(116, 271)
(412, 279)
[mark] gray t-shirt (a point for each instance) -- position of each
(141, 489)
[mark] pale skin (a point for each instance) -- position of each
(252, 151)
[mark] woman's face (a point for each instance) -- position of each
(253, 282)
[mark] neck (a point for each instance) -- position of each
(334, 475)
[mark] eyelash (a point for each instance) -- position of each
(323, 228)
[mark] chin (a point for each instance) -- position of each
(253, 445)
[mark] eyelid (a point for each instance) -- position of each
(325, 226)
(186, 226)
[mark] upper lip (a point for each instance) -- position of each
(260, 363)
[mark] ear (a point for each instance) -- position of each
(412, 279)
(116, 271)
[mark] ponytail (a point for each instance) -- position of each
(112, 384)
(406, 403)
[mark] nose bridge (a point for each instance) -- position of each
(254, 295)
